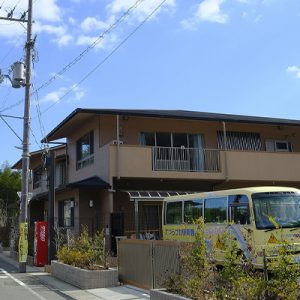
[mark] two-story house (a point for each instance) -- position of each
(119, 164)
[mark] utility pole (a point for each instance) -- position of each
(18, 81)
(23, 240)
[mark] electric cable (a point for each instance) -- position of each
(90, 47)
(108, 56)
(82, 54)
(41, 124)
(4, 100)
(15, 133)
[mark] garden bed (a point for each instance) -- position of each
(84, 279)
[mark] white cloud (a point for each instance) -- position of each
(107, 42)
(43, 10)
(295, 70)
(62, 37)
(55, 96)
(90, 24)
(142, 10)
(47, 10)
(64, 40)
(207, 11)
(71, 20)
(257, 19)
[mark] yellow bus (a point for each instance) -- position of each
(258, 217)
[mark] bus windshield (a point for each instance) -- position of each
(276, 209)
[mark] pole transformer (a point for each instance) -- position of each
(23, 239)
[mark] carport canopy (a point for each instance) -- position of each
(140, 196)
(154, 195)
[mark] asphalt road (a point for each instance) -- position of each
(24, 286)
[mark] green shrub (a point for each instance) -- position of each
(197, 275)
(84, 251)
(237, 279)
(284, 274)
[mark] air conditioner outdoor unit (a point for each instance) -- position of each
(115, 142)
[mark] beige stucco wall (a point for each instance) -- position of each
(134, 160)
(132, 126)
(263, 166)
(93, 169)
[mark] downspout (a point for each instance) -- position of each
(118, 147)
(225, 152)
(136, 218)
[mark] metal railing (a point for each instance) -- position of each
(185, 159)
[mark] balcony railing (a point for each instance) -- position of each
(185, 159)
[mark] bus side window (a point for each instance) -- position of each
(174, 213)
(192, 210)
(215, 210)
(239, 211)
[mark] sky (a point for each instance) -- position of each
(223, 56)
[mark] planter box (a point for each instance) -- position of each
(161, 294)
(84, 279)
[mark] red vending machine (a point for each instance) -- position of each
(40, 243)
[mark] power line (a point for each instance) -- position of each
(108, 56)
(81, 55)
(35, 139)
(13, 117)
(11, 128)
(4, 100)
(39, 116)
(2, 4)
(90, 47)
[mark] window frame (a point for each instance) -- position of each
(37, 178)
(166, 212)
(201, 202)
(226, 209)
(88, 159)
(61, 213)
(244, 204)
(143, 134)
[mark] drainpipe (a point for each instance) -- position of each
(136, 218)
(118, 147)
(225, 152)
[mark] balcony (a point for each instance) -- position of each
(165, 162)
(185, 159)
(205, 164)
(263, 166)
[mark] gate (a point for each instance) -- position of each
(147, 264)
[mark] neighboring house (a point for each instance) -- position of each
(118, 165)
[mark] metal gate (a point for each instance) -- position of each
(147, 264)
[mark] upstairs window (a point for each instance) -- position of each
(278, 146)
(169, 139)
(244, 141)
(60, 173)
(37, 178)
(85, 150)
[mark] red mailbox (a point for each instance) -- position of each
(40, 243)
